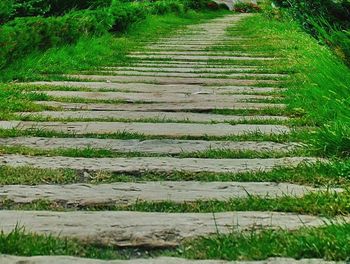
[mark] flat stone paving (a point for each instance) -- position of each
(149, 229)
(170, 80)
(160, 146)
(182, 70)
(193, 75)
(163, 164)
(159, 116)
(171, 107)
(161, 260)
(131, 193)
(156, 97)
(170, 83)
(156, 129)
(156, 88)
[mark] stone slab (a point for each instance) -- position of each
(171, 107)
(162, 164)
(200, 58)
(193, 75)
(152, 129)
(131, 193)
(202, 53)
(170, 80)
(148, 229)
(144, 115)
(160, 146)
(158, 88)
(156, 97)
(181, 70)
(160, 260)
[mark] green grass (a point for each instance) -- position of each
(330, 242)
(325, 203)
(90, 152)
(320, 86)
(92, 53)
(335, 174)
(295, 136)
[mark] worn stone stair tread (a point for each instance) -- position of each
(163, 164)
(150, 129)
(159, 88)
(200, 57)
(148, 229)
(191, 75)
(205, 53)
(159, 146)
(170, 80)
(172, 107)
(180, 69)
(187, 64)
(152, 115)
(159, 260)
(156, 97)
(82, 194)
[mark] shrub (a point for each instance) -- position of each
(246, 8)
(24, 35)
(126, 14)
(10, 9)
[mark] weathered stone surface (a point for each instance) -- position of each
(151, 129)
(162, 260)
(173, 107)
(148, 229)
(170, 80)
(200, 58)
(180, 69)
(158, 88)
(161, 146)
(130, 193)
(142, 164)
(154, 116)
(156, 97)
(202, 53)
(193, 75)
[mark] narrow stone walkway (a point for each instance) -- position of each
(175, 97)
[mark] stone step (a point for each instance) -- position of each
(155, 146)
(162, 164)
(186, 64)
(168, 107)
(148, 129)
(161, 88)
(170, 80)
(159, 116)
(193, 75)
(159, 260)
(127, 229)
(182, 70)
(202, 53)
(155, 97)
(75, 195)
(200, 58)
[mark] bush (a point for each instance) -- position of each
(126, 14)
(246, 8)
(10, 9)
(24, 35)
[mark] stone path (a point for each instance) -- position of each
(174, 98)
(130, 193)
(156, 230)
(162, 260)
